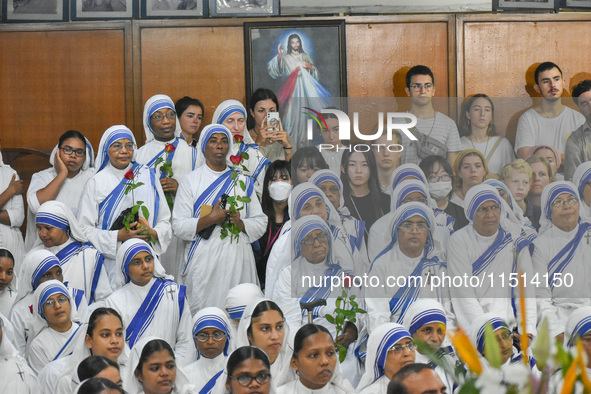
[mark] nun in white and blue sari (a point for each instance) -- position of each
(104, 198)
(204, 372)
(382, 339)
(35, 270)
(50, 344)
(513, 210)
(390, 302)
(150, 304)
(581, 179)
(213, 266)
(561, 254)
(82, 265)
(486, 257)
(256, 163)
(183, 159)
(16, 376)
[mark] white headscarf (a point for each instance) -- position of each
(577, 325)
(46, 290)
(110, 136)
(514, 211)
(406, 170)
(281, 371)
(304, 192)
(88, 159)
(126, 253)
(477, 329)
(57, 214)
(424, 311)
(216, 318)
(204, 137)
(228, 108)
(581, 177)
(378, 344)
(239, 297)
(549, 194)
(153, 104)
(406, 187)
(327, 175)
(130, 382)
(35, 264)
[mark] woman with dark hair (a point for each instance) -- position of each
(470, 170)
(263, 325)
(541, 177)
(315, 362)
(12, 211)
(305, 162)
(98, 386)
(440, 178)
(153, 369)
(331, 146)
(248, 370)
(271, 139)
(8, 281)
(72, 165)
(477, 131)
(190, 113)
(276, 191)
(100, 367)
(363, 195)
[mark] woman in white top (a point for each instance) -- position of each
(12, 211)
(8, 282)
(15, 374)
(315, 362)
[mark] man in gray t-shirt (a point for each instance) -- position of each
(420, 87)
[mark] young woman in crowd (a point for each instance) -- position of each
(304, 163)
(471, 170)
(99, 367)
(542, 175)
(552, 155)
(248, 371)
(190, 113)
(8, 282)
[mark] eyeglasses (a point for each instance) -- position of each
(68, 150)
(309, 240)
(436, 178)
(422, 200)
(51, 303)
(397, 349)
(418, 227)
(561, 203)
(505, 336)
(246, 379)
(419, 86)
(117, 146)
(217, 336)
(158, 117)
(485, 210)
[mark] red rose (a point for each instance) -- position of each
(169, 148)
(235, 159)
(238, 138)
(348, 281)
(129, 175)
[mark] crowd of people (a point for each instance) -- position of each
(195, 263)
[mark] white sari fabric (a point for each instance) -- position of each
(581, 177)
(11, 237)
(380, 341)
(239, 297)
(158, 308)
(256, 163)
(82, 264)
(49, 344)
(104, 199)
(69, 194)
(16, 376)
(203, 373)
(213, 266)
(9, 294)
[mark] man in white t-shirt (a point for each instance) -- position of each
(420, 87)
(550, 122)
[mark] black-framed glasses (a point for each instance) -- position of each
(437, 178)
(68, 150)
(158, 117)
(204, 337)
(397, 349)
(418, 86)
(245, 379)
(309, 240)
(562, 203)
(51, 303)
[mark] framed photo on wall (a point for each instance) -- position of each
(243, 7)
(103, 9)
(583, 4)
(302, 62)
(173, 8)
(34, 10)
(525, 5)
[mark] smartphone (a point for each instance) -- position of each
(273, 120)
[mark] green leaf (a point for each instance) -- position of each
(139, 184)
(233, 175)
(246, 199)
(344, 294)
(492, 350)
(244, 168)
(244, 155)
(342, 352)
(353, 319)
(135, 209)
(338, 302)
(340, 319)
(354, 304)
(127, 189)
(145, 212)
(541, 349)
(352, 297)
(242, 185)
(329, 318)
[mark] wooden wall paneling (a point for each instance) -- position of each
(499, 54)
(57, 77)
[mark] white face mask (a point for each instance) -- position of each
(440, 190)
(279, 191)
